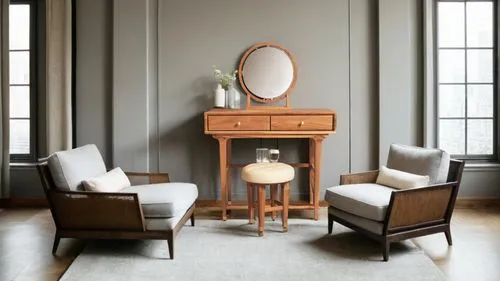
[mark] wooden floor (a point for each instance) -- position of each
(26, 239)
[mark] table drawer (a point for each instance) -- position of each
(302, 123)
(238, 123)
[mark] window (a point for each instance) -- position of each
(467, 78)
(22, 80)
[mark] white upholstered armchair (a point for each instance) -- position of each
(153, 208)
(413, 196)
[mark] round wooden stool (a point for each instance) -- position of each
(260, 175)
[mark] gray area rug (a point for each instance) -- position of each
(231, 250)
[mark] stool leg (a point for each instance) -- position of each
(284, 216)
(274, 197)
(262, 206)
(251, 203)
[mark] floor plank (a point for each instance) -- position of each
(26, 237)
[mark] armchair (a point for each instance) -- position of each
(389, 215)
(153, 208)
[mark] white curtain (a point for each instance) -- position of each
(58, 75)
(4, 99)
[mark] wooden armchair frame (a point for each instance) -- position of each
(411, 212)
(99, 215)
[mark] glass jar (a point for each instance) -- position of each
(233, 97)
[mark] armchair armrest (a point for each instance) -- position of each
(418, 206)
(96, 210)
(147, 178)
(365, 177)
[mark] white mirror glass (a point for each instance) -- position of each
(268, 72)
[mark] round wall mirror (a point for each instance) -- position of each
(267, 72)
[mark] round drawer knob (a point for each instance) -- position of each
(238, 124)
(301, 123)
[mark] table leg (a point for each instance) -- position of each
(229, 175)
(311, 171)
(223, 174)
(317, 169)
(251, 202)
(262, 208)
(284, 200)
(274, 197)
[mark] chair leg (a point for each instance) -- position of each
(330, 223)
(170, 241)
(251, 203)
(262, 208)
(56, 244)
(386, 246)
(274, 195)
(192, 219)
(447, 233)
(285, 194)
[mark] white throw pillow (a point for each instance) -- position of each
(112, 181)
(399, 179)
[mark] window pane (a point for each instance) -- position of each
(451, 66)
(480, 100)
(452, 101)
(19, 67)
(452, 136)
(20, 101)
(480, 24)
(19, 136)
(480, 137)
(450, 18)
(480, 66)
(19, 27)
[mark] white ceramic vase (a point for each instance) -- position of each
(220, 97)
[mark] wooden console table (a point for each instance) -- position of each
(313, 124)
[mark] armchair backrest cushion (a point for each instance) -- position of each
(432, 162)
(69, 168)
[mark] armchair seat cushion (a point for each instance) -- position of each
(370, 225)
(164, 200)
(367, 200)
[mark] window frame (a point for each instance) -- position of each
(33, 84)
(494, 157)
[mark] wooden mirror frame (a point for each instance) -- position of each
(251, 96)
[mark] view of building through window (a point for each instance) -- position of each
(20, 80)
(466, 82)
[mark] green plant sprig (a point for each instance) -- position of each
(224, 79)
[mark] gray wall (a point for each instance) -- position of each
(316, 32)
(144, 80)
(361, 58)
(94, 69)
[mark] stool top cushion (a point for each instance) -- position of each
(268, 173)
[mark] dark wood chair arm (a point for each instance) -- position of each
(96, 210)
(147, 178)
(419, 206)
(365, 177)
